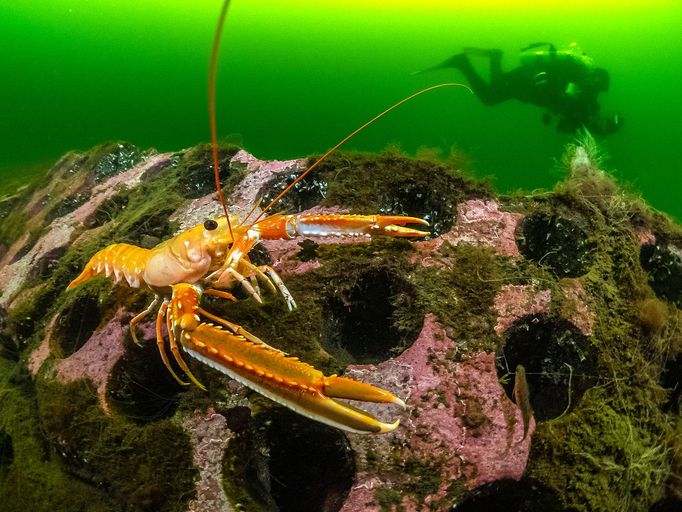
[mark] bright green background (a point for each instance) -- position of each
(296, 76)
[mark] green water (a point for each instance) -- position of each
(297, 76)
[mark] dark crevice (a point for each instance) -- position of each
(664, 267)
(120, 158)
(507, 495)
(420, 199)
(361, 323)
(288, 463)
(667, 505)
(77, 322)
(196, 170)
(559, 360)
(6, 449)
(555, 242)
(304, 195)
(671, 380)
(141, 388)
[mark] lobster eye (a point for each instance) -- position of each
(210, 224)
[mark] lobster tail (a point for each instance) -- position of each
(120, 260)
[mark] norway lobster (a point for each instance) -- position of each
(211, 258)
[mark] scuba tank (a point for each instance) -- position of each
(542, 54)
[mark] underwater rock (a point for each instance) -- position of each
(448, 309)
(258, 173)
(209, 435)
(96, 359)
(482, 223)
(516, 301)
(62, 231)
(459, 426)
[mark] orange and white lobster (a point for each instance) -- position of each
(213, 257)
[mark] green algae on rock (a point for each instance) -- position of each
(447, 306)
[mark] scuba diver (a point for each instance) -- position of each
(565, 82)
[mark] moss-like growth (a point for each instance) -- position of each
(30, 478)
(144, 468)
(460, 290)
(391, 184)
(611, 453)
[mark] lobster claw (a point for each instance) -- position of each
(242, 356)
(330, 224)
(286, 380)
(352, 418)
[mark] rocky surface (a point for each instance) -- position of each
(441, 323)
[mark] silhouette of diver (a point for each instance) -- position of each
(565, 82)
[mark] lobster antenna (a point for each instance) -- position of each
(211, 109)
(350, 136)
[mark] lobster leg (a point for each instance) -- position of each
(269, 371)
(274, 277)
(227, 275)
(137, 318)
(221, 294)
(171, 324)
(160, 343)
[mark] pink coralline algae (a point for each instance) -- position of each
(459, 422)
(209, 436)
(96, 359)
(515, 301)
(482, 223)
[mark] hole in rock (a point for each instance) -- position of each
(119, 158)
(671, 380)
(306, 193)
(6, 449)
(66, 206)
(420, 199)
(44, 267)
(259, 255)
(106, 212)
(667, 505)
(664, 267)
(141, 388)
(78, 321)
(8, 346)
(507, 495)
(236, 418)
(372, 320)
(196, 170)
(560, 363)
(288, 463)
(556, 242)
